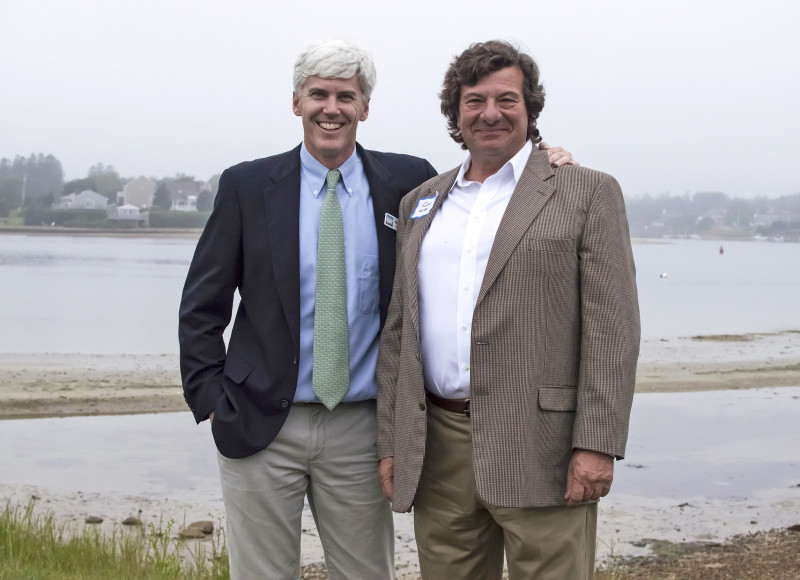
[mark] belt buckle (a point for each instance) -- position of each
(466, 408)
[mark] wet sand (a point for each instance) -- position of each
(62, 385)
(56, 385)
(65, 385)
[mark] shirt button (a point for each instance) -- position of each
(463, 327)
(466, 367)
(284, 403)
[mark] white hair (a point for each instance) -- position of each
(335, 59)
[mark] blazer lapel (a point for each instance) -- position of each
(413, 243)
(529, 197)
(282, 207)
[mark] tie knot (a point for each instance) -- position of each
(332, 179)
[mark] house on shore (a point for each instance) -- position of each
(139, 192)
(127, 216)
(183, 193)
(86, 199)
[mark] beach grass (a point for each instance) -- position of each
(34, 547)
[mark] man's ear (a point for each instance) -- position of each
(296, 108)
(365, 113)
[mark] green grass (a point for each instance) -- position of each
(35, 547)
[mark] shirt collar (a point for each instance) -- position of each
(315, 172)
(517, 165)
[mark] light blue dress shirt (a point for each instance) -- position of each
(361, 259)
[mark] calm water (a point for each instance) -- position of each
(752, 287)
(115, 295)
(680, 445)
(91, 295)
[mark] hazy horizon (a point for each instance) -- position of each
(669, 97)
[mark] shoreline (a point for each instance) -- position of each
(194, 233)
(635, 523)
(64, 385)
(67, 385)
(189, 233)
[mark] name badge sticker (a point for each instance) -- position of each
(390, 221)
(424, 206)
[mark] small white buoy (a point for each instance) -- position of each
(663, 275)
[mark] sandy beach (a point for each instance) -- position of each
(63, 385)
(59, 385)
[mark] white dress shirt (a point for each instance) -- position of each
(452, 263)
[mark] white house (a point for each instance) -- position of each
(86, 199)
(127, 216)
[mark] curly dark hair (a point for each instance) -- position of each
(479, 60)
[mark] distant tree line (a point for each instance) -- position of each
(102, 179)
(27, 181)
(34, 183)
(712, 213)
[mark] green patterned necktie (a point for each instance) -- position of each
(331, 364)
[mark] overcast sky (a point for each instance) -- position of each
(668, 96)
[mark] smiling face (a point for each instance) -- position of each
(493, 119)
(331, 110)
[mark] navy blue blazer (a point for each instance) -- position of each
(251, 243)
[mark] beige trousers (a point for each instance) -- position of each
(329, 456)
(458, 536)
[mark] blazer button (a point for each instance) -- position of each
(284, 403)
(294, 361)
(422, 406)
(417, 355)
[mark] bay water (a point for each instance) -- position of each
(106, 295)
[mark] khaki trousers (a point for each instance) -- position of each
(458, 536)
(331, 457)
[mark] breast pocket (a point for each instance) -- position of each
(368, 285)
(551, 245)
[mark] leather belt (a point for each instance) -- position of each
(460, 406)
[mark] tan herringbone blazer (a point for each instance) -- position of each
(555, 338)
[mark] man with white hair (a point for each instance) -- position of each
(277, 441)
(292, 400)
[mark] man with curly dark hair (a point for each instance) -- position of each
(507, 362)
(479, 61)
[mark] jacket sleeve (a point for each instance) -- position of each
(609, 323)
(207, 300)
(388, 366)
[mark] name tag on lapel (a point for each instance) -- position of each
(424, 206)
(390, 221)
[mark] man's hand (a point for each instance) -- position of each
(557, 156)
(386, 475)
(589, 476)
